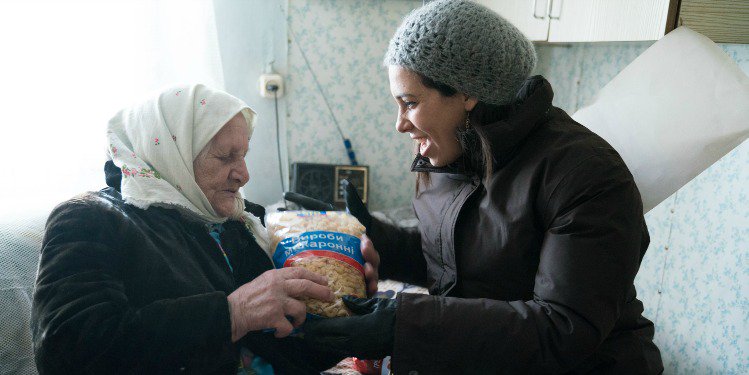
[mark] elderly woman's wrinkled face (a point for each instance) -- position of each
(220, 169)
(430, 118)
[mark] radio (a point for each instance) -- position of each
(323, 181)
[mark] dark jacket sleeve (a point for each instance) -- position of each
(588, 260)
(82, 321)
(400, 252)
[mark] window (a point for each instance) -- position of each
(67, 67)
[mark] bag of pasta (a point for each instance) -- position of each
(324, 242)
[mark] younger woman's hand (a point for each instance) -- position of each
(371, 265)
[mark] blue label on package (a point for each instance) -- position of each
(340, 246)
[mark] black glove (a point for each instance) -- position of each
(354, 204)
(368, 335)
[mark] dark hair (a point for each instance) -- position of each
(482, 114)
(444, 89)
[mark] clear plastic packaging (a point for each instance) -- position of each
(324, 242)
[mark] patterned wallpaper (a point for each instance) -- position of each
(694, 277)
(344, 42)
(577, 71)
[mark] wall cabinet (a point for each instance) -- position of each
(723, 21)
(588, 20)
(530, 16)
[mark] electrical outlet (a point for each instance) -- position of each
(267, 82)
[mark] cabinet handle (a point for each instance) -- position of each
(543, 17)
(561, 4)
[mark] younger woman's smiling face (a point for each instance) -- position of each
(429, 117)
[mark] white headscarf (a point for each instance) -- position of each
(155, 142)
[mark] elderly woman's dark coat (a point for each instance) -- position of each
(126, 290)
(530, 270)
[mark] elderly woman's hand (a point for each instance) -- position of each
(266, 301)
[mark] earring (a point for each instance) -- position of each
(468, 120)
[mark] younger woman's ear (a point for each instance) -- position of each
(469, 102)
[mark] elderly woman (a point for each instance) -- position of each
(165, 272)
(531, 228)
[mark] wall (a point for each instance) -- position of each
(252, 34)
(344, 42)
(694, 279)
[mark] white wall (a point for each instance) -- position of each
(252, 34)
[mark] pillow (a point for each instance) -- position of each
(19, 255)
(673, 112)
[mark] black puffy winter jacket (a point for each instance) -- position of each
(531, 270)
(126, 290)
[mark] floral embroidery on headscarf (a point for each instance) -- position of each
(144, 172)
(152, 170)
(114, 149)
(127, 172)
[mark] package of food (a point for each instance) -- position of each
(324, 242)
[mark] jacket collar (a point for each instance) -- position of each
(504, 130)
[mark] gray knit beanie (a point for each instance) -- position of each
(466, 46)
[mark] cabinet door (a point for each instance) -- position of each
(530, 16)
(607, 20)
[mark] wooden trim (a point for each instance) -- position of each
(672, 19)
(723, 21)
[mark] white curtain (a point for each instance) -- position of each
(67, 67)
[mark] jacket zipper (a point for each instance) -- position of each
(452, 232)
